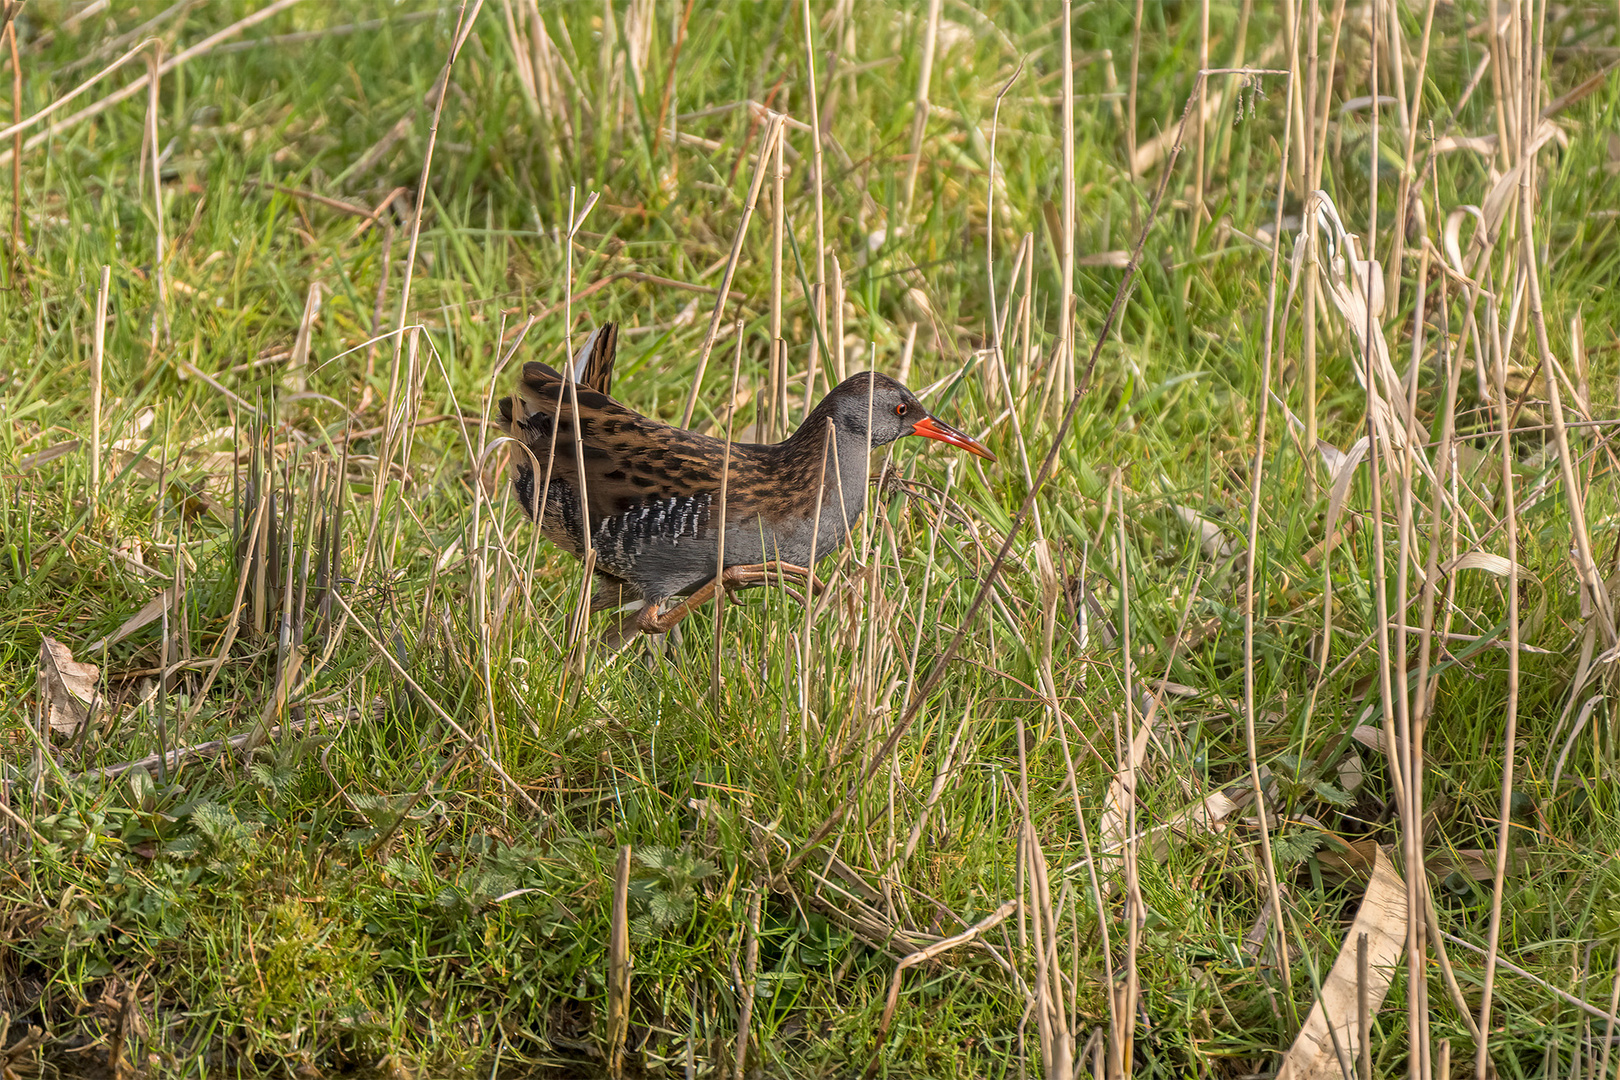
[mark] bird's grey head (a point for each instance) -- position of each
(875, 408)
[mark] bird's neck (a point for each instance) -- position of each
(847, 458)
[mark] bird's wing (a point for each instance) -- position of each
(630, 461)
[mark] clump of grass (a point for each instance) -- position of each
(356, 794)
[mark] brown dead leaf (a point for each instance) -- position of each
(1342, 859)
(67, 688)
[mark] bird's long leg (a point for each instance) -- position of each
(653, 621)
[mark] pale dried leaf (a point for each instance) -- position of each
(150, 612)
(1207, 815)
(47, 455)
(1212, 539)
(1113, 829)
(1331, 1028)
(1474, 863)
(1370, 737)
(67, 688)
(1499, 565)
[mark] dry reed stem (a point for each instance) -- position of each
(1325, 108)
(1504, 820)
(1529, 76)
(618, 1005)
(767, 144)
(579, 636)
(154, 68)
(1065, 381)
(923, 955)
(1409, 122)
(828, 448)
(775, 418)
(720, 534)
(836, 299)
(396, 410)
(1124, 1017)
(818, 179)
(1130, 101)
(920, 104)
(16, 141)
(1269, 347)
(97, 357)
(1308, 376)
(19, 125)
(745, 991)
(1406, 708)
(1198, 211)
(1614, 1016)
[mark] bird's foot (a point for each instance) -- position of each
(741, 577)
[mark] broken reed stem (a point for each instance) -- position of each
(773, 132)
(97, 358)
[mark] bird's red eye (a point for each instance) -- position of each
(900, 409)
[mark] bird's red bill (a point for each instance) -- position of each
(930, 428)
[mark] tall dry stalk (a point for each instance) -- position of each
(920, 104)
(396, 426)
(97, 358)
(1066, 378)
(767, 147)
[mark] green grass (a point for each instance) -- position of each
(371, 895)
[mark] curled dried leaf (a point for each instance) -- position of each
(67, 688)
